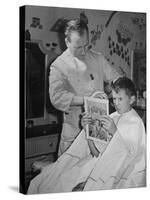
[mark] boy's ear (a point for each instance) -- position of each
(132, 99)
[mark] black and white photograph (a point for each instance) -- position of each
(83, 106)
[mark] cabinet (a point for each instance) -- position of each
(40, 141)
(41, 130)
(42, 123)
(40, 146)
(37, 147)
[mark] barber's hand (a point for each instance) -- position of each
(100, 95)
(108, 124)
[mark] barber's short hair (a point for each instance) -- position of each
(125, 84)
(75, 25)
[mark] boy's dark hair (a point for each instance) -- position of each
(125, 84)
(75, 25)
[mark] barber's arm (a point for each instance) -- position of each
(60, 91)
(77, 101)
(110, 73)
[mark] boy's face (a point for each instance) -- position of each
(122, 101)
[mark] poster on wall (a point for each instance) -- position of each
(138, 68)
(59, 150)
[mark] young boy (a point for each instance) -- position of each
(121, 165)
(124, 96)
(127, 124)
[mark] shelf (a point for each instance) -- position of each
(43, 130)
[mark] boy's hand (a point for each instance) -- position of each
(86, 119)
(108, 124)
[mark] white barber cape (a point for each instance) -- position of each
(122, 165)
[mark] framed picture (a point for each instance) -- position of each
(96, 108)
(138, 68)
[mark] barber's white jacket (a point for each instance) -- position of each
(70, 76)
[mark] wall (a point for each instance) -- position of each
(115, 34)
(120, 37)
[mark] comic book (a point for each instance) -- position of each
(96, 108)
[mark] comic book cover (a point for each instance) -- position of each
(96, 108)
